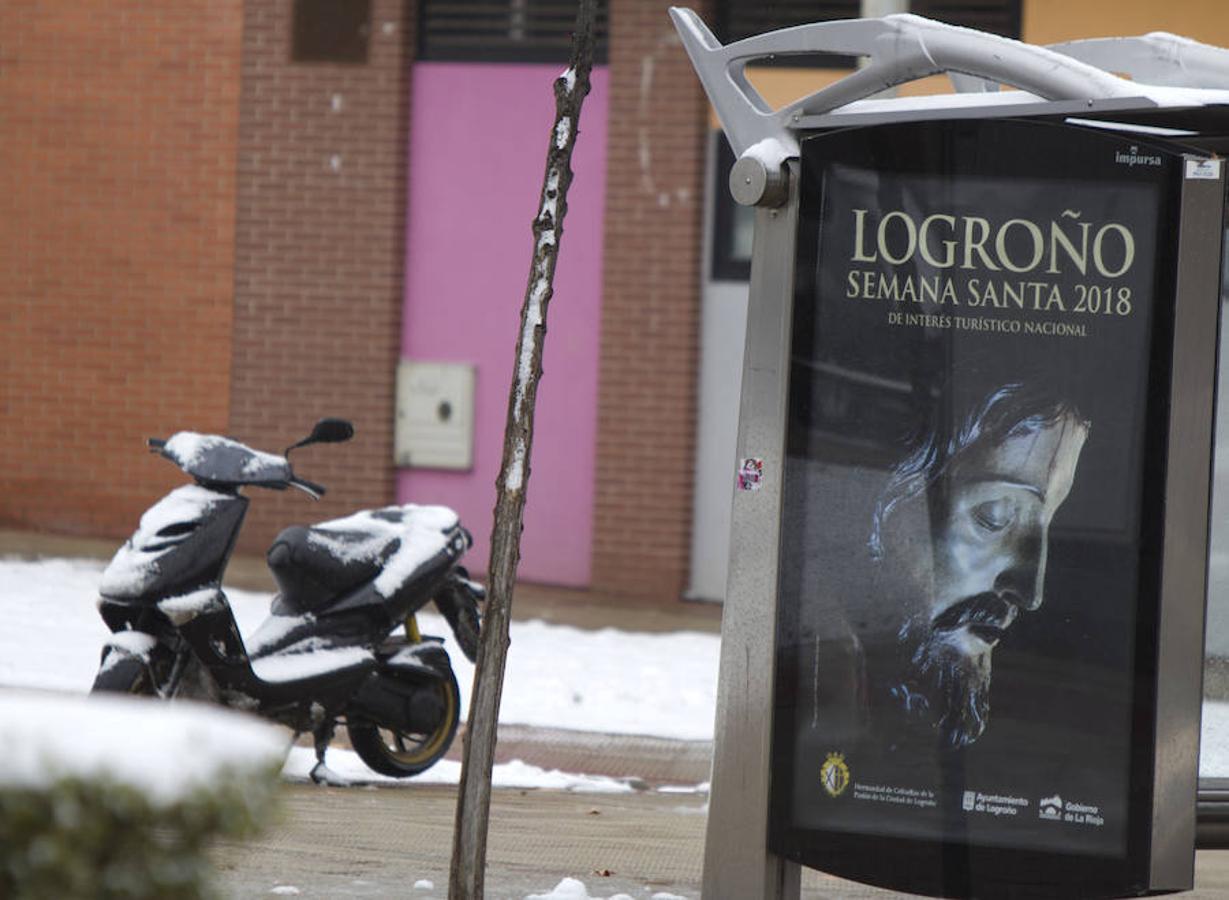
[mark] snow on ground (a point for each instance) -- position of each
(574, 889)
(619, 682)
(608, 681)
(514, 774)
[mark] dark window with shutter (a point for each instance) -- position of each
(503, 30)
(1002, 18)
(330, 31)
(738, 19)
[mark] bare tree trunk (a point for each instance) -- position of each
(474, 796)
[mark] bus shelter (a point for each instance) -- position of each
(962, 643)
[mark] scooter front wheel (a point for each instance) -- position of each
(404, 754)
(126, 675)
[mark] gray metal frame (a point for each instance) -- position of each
(1185, 549)
(737, 864)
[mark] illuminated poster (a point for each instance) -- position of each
(975, 402)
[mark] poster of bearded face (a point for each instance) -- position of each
(961, 509)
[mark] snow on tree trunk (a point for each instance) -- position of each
(474, 794)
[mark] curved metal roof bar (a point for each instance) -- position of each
(1158, 58)
(900, 48)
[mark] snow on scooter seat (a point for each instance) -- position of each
(424, 531)
(166, 751)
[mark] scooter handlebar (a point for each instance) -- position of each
(313, 490)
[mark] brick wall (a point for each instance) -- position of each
(650, 307)
(116, 245)
(318, 278)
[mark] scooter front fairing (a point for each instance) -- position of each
(182, 542)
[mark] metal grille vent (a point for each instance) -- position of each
(503, 30)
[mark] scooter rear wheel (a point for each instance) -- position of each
(403, 754)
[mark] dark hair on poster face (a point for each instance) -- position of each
(959, 420)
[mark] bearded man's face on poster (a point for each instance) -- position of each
(963, 532)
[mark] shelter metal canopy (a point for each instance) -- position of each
(1175, 83)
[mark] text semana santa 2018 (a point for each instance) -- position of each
(1016, 264)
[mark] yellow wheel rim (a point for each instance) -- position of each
(434, 743)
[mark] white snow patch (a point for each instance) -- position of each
(552, 190)
(186, 607)
(424, 884)
(134, 643)
(128, 644)
(515, 774)
(568, 889)
(574, 889)
(701, 788)
(771, 152)
(515, 478)
(533, 314)
(308, 659)
(568, 77)
(366, 549)
(563, 131)
(273, 629)
(164, 750)
(286, 889)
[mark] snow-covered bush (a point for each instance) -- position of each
(115, 797)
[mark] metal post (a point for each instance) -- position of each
(737, 863)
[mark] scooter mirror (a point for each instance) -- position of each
(327, 431)
(331, 431)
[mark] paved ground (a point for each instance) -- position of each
(369, 842)
(380, 842)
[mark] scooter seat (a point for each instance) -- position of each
(314, 565)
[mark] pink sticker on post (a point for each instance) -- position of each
(750, 474)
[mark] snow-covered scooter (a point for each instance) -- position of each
(327, 651)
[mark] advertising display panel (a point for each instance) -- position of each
(974, 506)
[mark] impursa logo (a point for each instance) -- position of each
(1133, 157)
